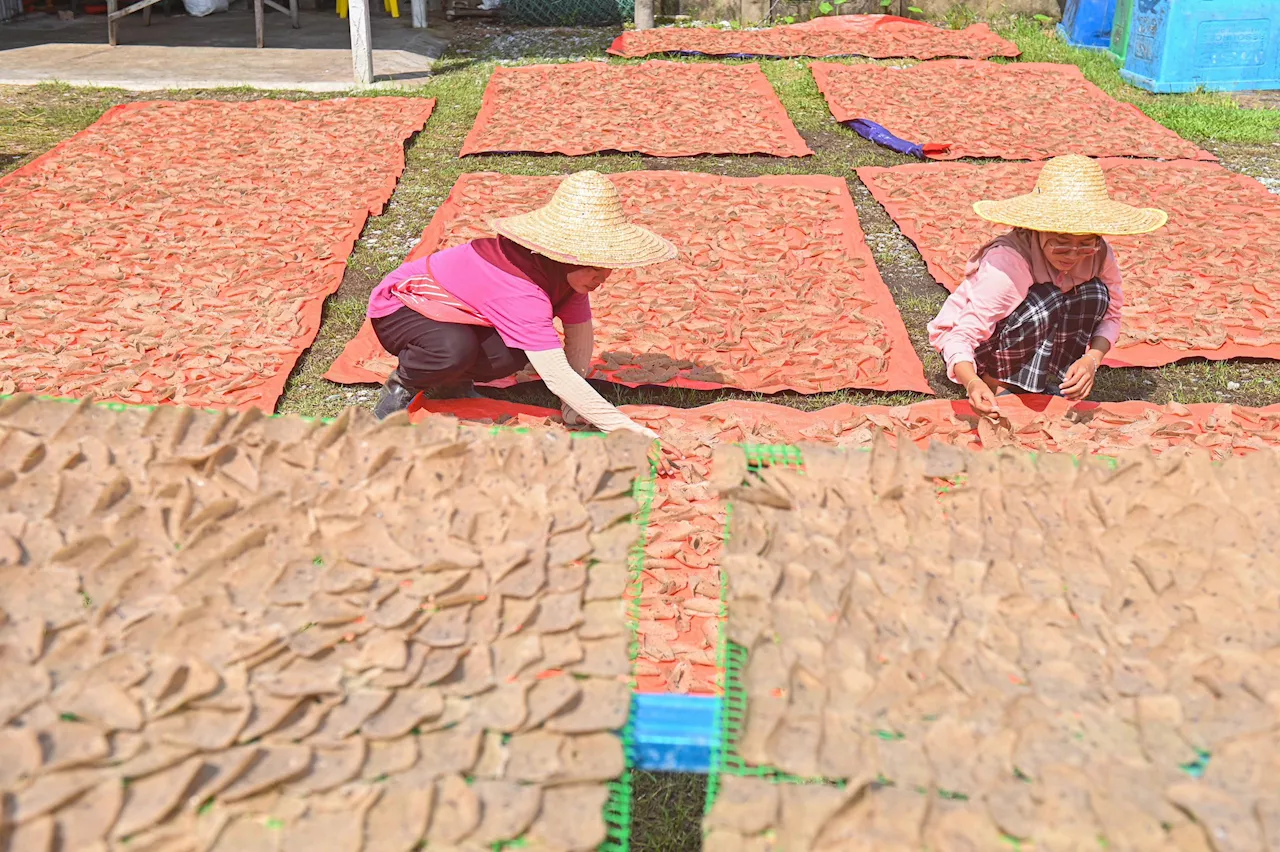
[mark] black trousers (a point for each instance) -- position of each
(433, 354)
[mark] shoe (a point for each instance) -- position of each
(395, 397)
(462, 390)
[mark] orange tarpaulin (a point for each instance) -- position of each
(1207, 284)
(1032, 422)
(1024, 111)
(680, 583)
(877, 36)
(774, 288)
(181, 252)
(664, 109)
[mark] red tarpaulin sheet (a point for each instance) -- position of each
(181, 252)
(1205, 285)
(774, 289)
(1025, 111)
(877, 36)
(664, 109)
(680, 594)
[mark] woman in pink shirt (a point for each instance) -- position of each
(484, 310)
(1039, 307)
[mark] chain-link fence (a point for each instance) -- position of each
(570, 13)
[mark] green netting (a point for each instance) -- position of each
(570, 13)
(765, 455)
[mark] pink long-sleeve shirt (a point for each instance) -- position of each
(996, 281)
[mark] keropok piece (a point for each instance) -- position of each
(664, 109)
(182, 252)
(1207, 284)
(232, 632)
(774, 288)
(1054, 651)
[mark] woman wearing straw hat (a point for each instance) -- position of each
(1039, 307)
(483, 310)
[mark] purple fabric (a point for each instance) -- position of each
(876, 133)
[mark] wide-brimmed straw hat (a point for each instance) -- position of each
(583, 224)
(1071, 198)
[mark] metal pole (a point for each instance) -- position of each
(361, 41)
(644, 14)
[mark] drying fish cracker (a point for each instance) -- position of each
(507, 809)
(571, 818)
(455, 811)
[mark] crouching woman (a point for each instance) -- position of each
(484, 310)
(1039, 307)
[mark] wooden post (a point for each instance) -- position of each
(113, 23)
(259, 20)
(644, 14)
(361, 41)
(419, 14)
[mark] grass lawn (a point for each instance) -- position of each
(668, 807)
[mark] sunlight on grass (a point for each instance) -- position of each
(1199, 116)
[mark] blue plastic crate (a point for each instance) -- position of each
(1222, 45)
(1087, 23)
(675, 733)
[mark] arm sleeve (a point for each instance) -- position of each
(573, 390)
(579, 346)
(1110, 275)
(970, 316)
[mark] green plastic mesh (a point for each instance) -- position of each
(570, 13)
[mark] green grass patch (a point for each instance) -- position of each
(1199, 116)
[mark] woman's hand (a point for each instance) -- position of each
(1077, 384)
(982, 398)
(666, 456)
(571, 417)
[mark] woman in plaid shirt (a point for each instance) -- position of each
(1039, 307)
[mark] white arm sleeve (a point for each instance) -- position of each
(553, 367)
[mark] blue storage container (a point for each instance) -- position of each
(1087, 23)
(1222, 45)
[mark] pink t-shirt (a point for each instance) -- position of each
(482, 294)
(996, 281)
